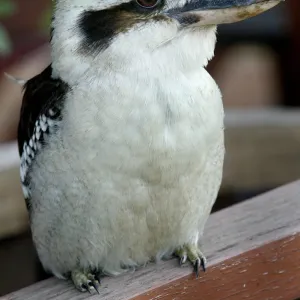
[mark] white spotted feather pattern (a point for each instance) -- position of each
(43, 126)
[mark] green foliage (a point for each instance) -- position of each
(5, 42)
(7, 8)
(45, 20)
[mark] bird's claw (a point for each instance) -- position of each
(193, 254)
(85, 281)
(200, 262)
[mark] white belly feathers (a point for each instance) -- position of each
(130, 177)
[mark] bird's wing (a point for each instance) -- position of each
(40, 115)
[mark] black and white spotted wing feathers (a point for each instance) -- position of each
(40, 115)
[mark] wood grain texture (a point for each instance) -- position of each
(268, 272)
(229, 233)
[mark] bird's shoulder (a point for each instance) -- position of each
(41, 108)
(42, 103)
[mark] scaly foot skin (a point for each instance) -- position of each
(193, 254)
(85, 281)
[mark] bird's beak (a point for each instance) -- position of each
(214, 12)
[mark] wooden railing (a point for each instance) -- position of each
(253, 250)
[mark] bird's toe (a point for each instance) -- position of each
(192, 254)
(85, 281)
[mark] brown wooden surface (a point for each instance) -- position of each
(268, 272)
(229, 234)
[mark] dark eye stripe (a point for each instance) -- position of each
(100, 27)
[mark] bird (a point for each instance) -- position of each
(121, 136)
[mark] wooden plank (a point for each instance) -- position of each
(268, 272)
(229, 233)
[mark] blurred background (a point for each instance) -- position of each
(257, 66)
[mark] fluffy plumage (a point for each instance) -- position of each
(130, 128)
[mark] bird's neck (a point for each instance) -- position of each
(182, 57)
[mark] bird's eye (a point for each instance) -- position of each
(148, 3)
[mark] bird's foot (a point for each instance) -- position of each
(85, 281)
(192, 253)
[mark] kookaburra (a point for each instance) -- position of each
(121, 138)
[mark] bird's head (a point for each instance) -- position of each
(134, 33)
